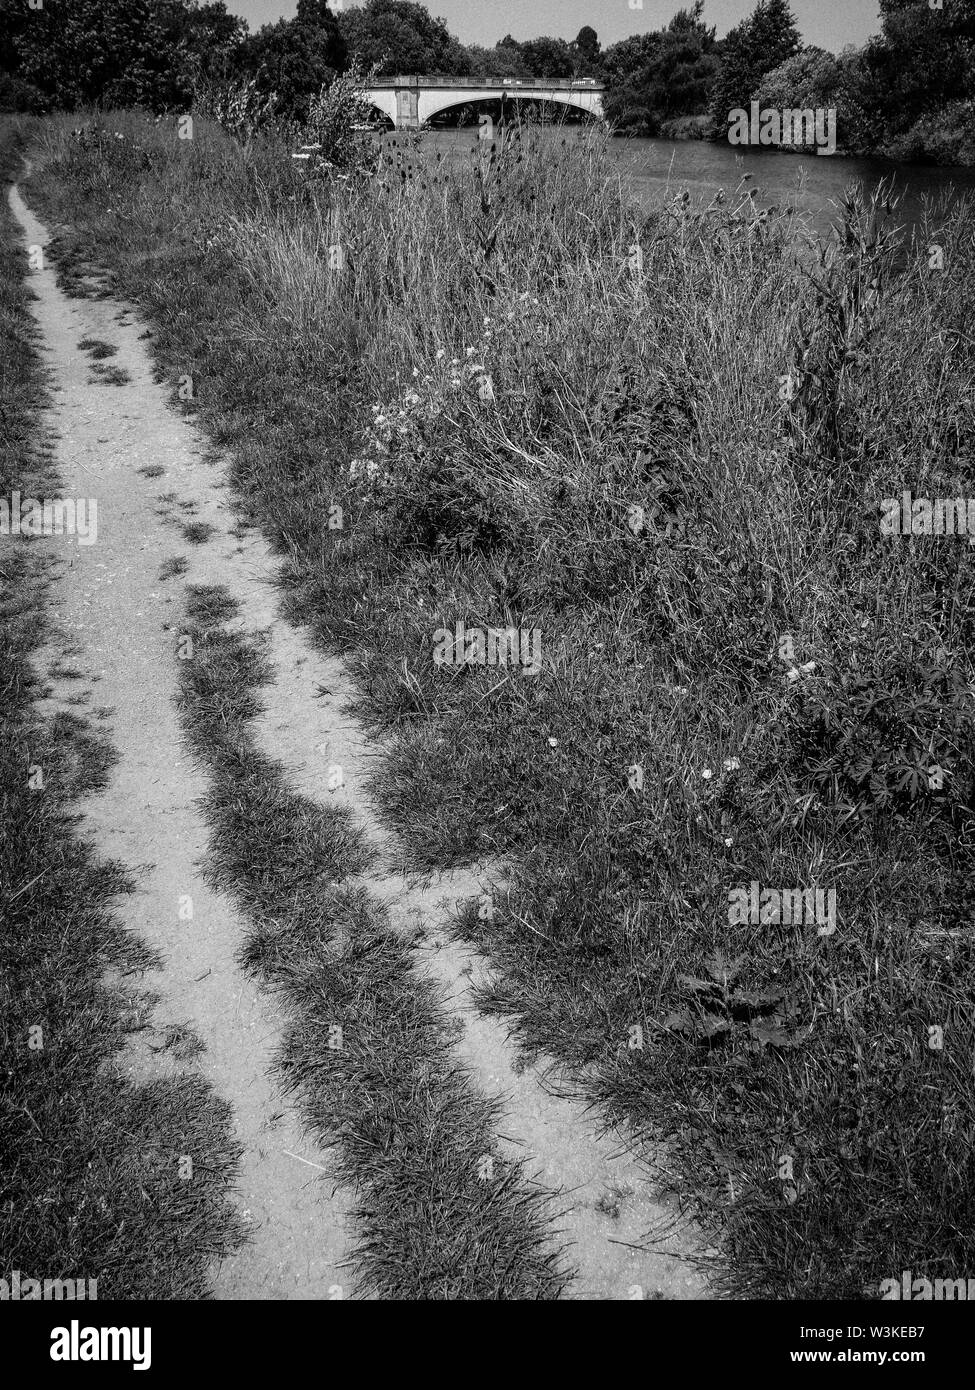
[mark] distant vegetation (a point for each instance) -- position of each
(908, 93)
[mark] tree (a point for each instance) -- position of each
(295, 58)
(809, 80)
(503, 60)
(117, 52)
(923, 60)
(548, 57)
(662, 76)
(211, 40)
(106, 52)
(587, 51)
(766, 38)
(398, 36)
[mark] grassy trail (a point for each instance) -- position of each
(428, 1221)
(119, 1180)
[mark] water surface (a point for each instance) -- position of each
(812, 184)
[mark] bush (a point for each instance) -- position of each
(21, 96)
(332, 118)
(941, 137)
(240, 107)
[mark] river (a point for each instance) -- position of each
(810, 183)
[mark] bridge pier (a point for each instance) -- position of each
(408, 107)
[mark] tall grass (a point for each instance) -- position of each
(514, 358)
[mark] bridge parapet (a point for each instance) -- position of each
(540, 83)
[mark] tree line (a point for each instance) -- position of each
(908, 92)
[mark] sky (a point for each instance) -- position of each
(828, 23)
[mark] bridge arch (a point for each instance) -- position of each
(445, 102)
(383, 99)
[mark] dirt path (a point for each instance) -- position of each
(118, 613)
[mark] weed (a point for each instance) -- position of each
(108, 376)
(98, 349)
(173, 567)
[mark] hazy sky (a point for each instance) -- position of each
(828, 23)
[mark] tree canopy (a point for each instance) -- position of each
(399, 36)
(761, 42)
(294, 58)
(657, 77)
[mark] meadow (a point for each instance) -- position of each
(499, 393)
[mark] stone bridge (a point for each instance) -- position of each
(410, 101)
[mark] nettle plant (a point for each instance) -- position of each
(893, 735)
(720, 1009)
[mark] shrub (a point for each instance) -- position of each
(18, 95)
(332, 117)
